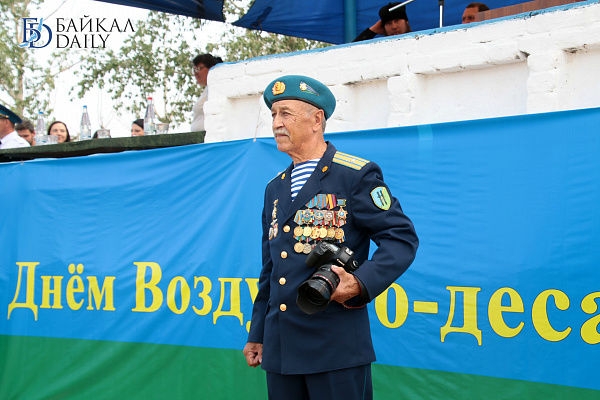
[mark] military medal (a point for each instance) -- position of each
(274, 226)
(307, 248)
(339, 233)
(307, 216)
(319, 215)
(298, 231)
(314, 234)
(307, 231)
(299, 247)
(342, 215)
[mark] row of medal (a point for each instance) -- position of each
(315, 225)
(307, 234)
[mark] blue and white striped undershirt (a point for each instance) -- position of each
(300, 174)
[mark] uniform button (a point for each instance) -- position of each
(282, 307)
(282, 281)
(286, 228)
(284, 254)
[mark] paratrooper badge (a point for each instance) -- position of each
(381, 197)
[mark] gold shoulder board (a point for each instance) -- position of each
(349, 161)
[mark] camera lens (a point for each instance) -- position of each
(314, 294)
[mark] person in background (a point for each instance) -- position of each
(471, 11)
(60, 130)
(26, 130)
(390, 23)
(9, 138)
(202, 64)
(324, 198)
(137, 127)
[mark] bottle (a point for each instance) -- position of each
(85, 129)
(40, 130)
(150, 119)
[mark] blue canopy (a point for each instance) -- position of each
(203, 9)
(331, 21)
(339, 21)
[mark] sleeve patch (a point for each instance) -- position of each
(349, 161)
(381, 197)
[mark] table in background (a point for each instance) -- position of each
(95, 146)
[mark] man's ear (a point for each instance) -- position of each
(319, 117)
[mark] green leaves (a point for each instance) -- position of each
(25, 85)
(153, 61)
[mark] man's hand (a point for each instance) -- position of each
(347, 288)
(378, 28)
(253, 353)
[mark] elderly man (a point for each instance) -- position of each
(326, 207)
(9, 138)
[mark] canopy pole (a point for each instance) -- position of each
(349, 20)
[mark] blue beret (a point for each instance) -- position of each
(303, 88)
(6, 113)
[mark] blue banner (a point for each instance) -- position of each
(163, 246)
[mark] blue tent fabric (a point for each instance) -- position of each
(324, 20)
(203, 9)
(330, 21)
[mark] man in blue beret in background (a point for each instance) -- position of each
(9, 138)
(310, 326)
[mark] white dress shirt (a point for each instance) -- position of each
(12, 141)
(198, 112)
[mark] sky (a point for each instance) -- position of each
(68, 107)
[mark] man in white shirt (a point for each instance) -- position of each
(9, 138)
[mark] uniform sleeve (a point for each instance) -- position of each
(378, 213)
(261, 302)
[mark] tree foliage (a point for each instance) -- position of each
(241, 44)
(25, 86)
(153, 61)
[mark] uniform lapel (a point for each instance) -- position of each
(284, 189)
(313, 185)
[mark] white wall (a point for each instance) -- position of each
(530, 63)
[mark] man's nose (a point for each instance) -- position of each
(277, 121)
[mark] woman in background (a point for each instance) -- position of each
(137, 127)
(60, 130)
(202, 63)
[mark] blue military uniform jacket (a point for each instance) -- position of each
(347, 202)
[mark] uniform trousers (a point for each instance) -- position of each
(343, 384)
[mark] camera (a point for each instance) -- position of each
(314, 293)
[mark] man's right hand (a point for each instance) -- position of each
(253, 353)
(378, 28)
